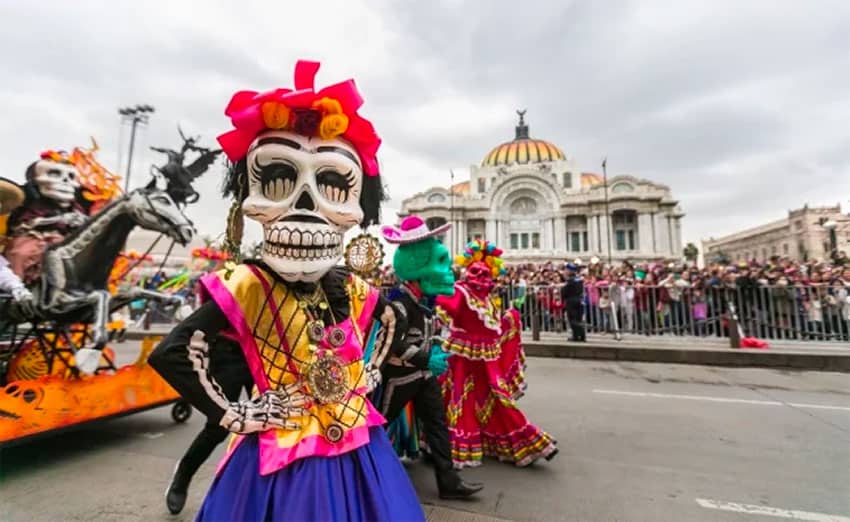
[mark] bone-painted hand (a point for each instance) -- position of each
(25, 300)
(373, 377)
(74, 219)
(272, 409)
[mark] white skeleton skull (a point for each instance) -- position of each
(56, 181)
(306, 194)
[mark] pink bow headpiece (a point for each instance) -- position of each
(327, 114)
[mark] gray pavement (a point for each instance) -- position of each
(639, 442)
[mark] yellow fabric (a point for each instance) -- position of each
(250, 293)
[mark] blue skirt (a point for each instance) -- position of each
(368, 483)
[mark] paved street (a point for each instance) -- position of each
(639, 442)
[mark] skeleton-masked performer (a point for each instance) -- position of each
(11, 197)
(308, 445)
(485, 374)
(423, 265)
(51, 212)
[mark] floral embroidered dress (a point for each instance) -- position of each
(484, 380)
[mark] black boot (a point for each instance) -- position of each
(175, 495)
(451, 486)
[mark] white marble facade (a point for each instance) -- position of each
(536, 204)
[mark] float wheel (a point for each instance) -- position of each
(181, 411)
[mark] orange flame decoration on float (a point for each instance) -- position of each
(100, 186)
(28, 407)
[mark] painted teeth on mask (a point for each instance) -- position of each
(295, 238)
(307, 239)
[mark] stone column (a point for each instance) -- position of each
(592, 234)
(604, 238)
(560, 234)
(662, 239)
(677, 235)
(644, 233)
(490, 229)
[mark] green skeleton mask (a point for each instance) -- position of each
(428, 263)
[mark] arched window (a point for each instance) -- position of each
(524, 206)
(436, 198)
(577, 240)
(435, 222)
(624, 223)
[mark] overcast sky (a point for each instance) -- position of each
(742, 108)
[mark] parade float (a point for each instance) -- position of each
(61, 236)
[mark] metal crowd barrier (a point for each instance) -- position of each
(817, 313)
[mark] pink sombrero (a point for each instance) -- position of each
(411, 230)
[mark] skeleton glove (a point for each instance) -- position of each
(272, 409)
(373, 377)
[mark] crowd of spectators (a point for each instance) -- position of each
(778, 298)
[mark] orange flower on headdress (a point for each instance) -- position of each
(275, 115)
(334, 121)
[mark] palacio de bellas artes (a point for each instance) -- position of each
(533, 199)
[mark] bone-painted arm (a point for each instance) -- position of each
(183, 359)
(184, 364)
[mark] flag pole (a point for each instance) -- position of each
(607, 211)
(453, 247)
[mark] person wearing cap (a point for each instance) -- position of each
(423, 266)
(11, 197)
(572, 295)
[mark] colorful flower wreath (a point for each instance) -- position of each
(326, 114)
(485, 251)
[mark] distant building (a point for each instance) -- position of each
(800, 236)
(535, 203)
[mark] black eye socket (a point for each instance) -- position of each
(444, 258)
(277, 180)
(333, 186)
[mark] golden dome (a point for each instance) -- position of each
(522, 150)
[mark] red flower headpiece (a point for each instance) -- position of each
(326, 114)
(59, 156)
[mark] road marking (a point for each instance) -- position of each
(149, 435)
(707, 398)
(752, 509)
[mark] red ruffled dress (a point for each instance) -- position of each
(484, 380)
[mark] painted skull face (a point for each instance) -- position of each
(479, 278)
(56, 181)
(306, 194)
(428, 263)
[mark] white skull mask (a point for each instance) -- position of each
(306, 193)
(56, 181)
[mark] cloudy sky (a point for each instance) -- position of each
(742, 108)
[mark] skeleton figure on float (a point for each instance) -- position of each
(309, 445)
(51, 212)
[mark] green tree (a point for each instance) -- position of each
(691, 252)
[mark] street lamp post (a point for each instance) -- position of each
(135, 115)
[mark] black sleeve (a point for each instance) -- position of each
(407, 345)
(186, 367)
